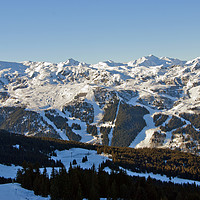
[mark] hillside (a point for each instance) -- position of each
(56, 168)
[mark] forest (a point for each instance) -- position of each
(193, 118)
(33, 149)
(39, 150)
(128, 124)
(173, 123)
(77, 183)
(159, 119)
(172, 163)
(105, 131)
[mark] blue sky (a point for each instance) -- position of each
(96, 30)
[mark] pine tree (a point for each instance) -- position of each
(36, 186)
(19, 176)
(141, 194)
(124, 191)
(53, 173)
(79, 193)
(74, 162)
(54, 189)
(93, 193)
(113, 190)
(179, 196)
(45, 172)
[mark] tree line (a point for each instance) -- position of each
(172, 163)
(39, 150)
(33, 149)
(77, 183)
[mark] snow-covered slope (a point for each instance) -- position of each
(67, 157)
(66, 97)
(15, 192)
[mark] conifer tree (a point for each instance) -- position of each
(93, 194)
(113, 190)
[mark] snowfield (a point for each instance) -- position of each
(9, 171)
(77, 154)
(13, 191)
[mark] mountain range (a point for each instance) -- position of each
(148, 102)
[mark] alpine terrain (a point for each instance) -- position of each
(149, 102)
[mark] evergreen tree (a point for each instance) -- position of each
(179, 196)
(74, 162)
(114, 190)
(140, 194)
(37, 186)
(79, 193)
(124, 192)
(93, 193)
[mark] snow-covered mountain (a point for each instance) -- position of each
(152, 60)
(89, 102)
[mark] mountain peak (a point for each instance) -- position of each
(151, 60)
(151, 56)
(146, 61)
(71, 62)
(194, 61)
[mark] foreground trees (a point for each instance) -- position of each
(92, 184)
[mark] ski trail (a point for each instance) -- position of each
(110, 135)
(61, 133)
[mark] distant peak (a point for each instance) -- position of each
(152, 60)
(71, 62)
(194, 61)
(109, 63)
(152, 56)
(149, 57)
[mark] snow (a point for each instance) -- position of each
(16, 146)
(85, 137)
(152, 60)
(98, 113)
(110, 135)
(163, 178)
(159, 177)
(67, 156)
(8, 171)
(13, 191)
(43, 85)
(143, 138)
(51, 85)
(61, 133)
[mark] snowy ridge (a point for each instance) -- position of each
(152, 60)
